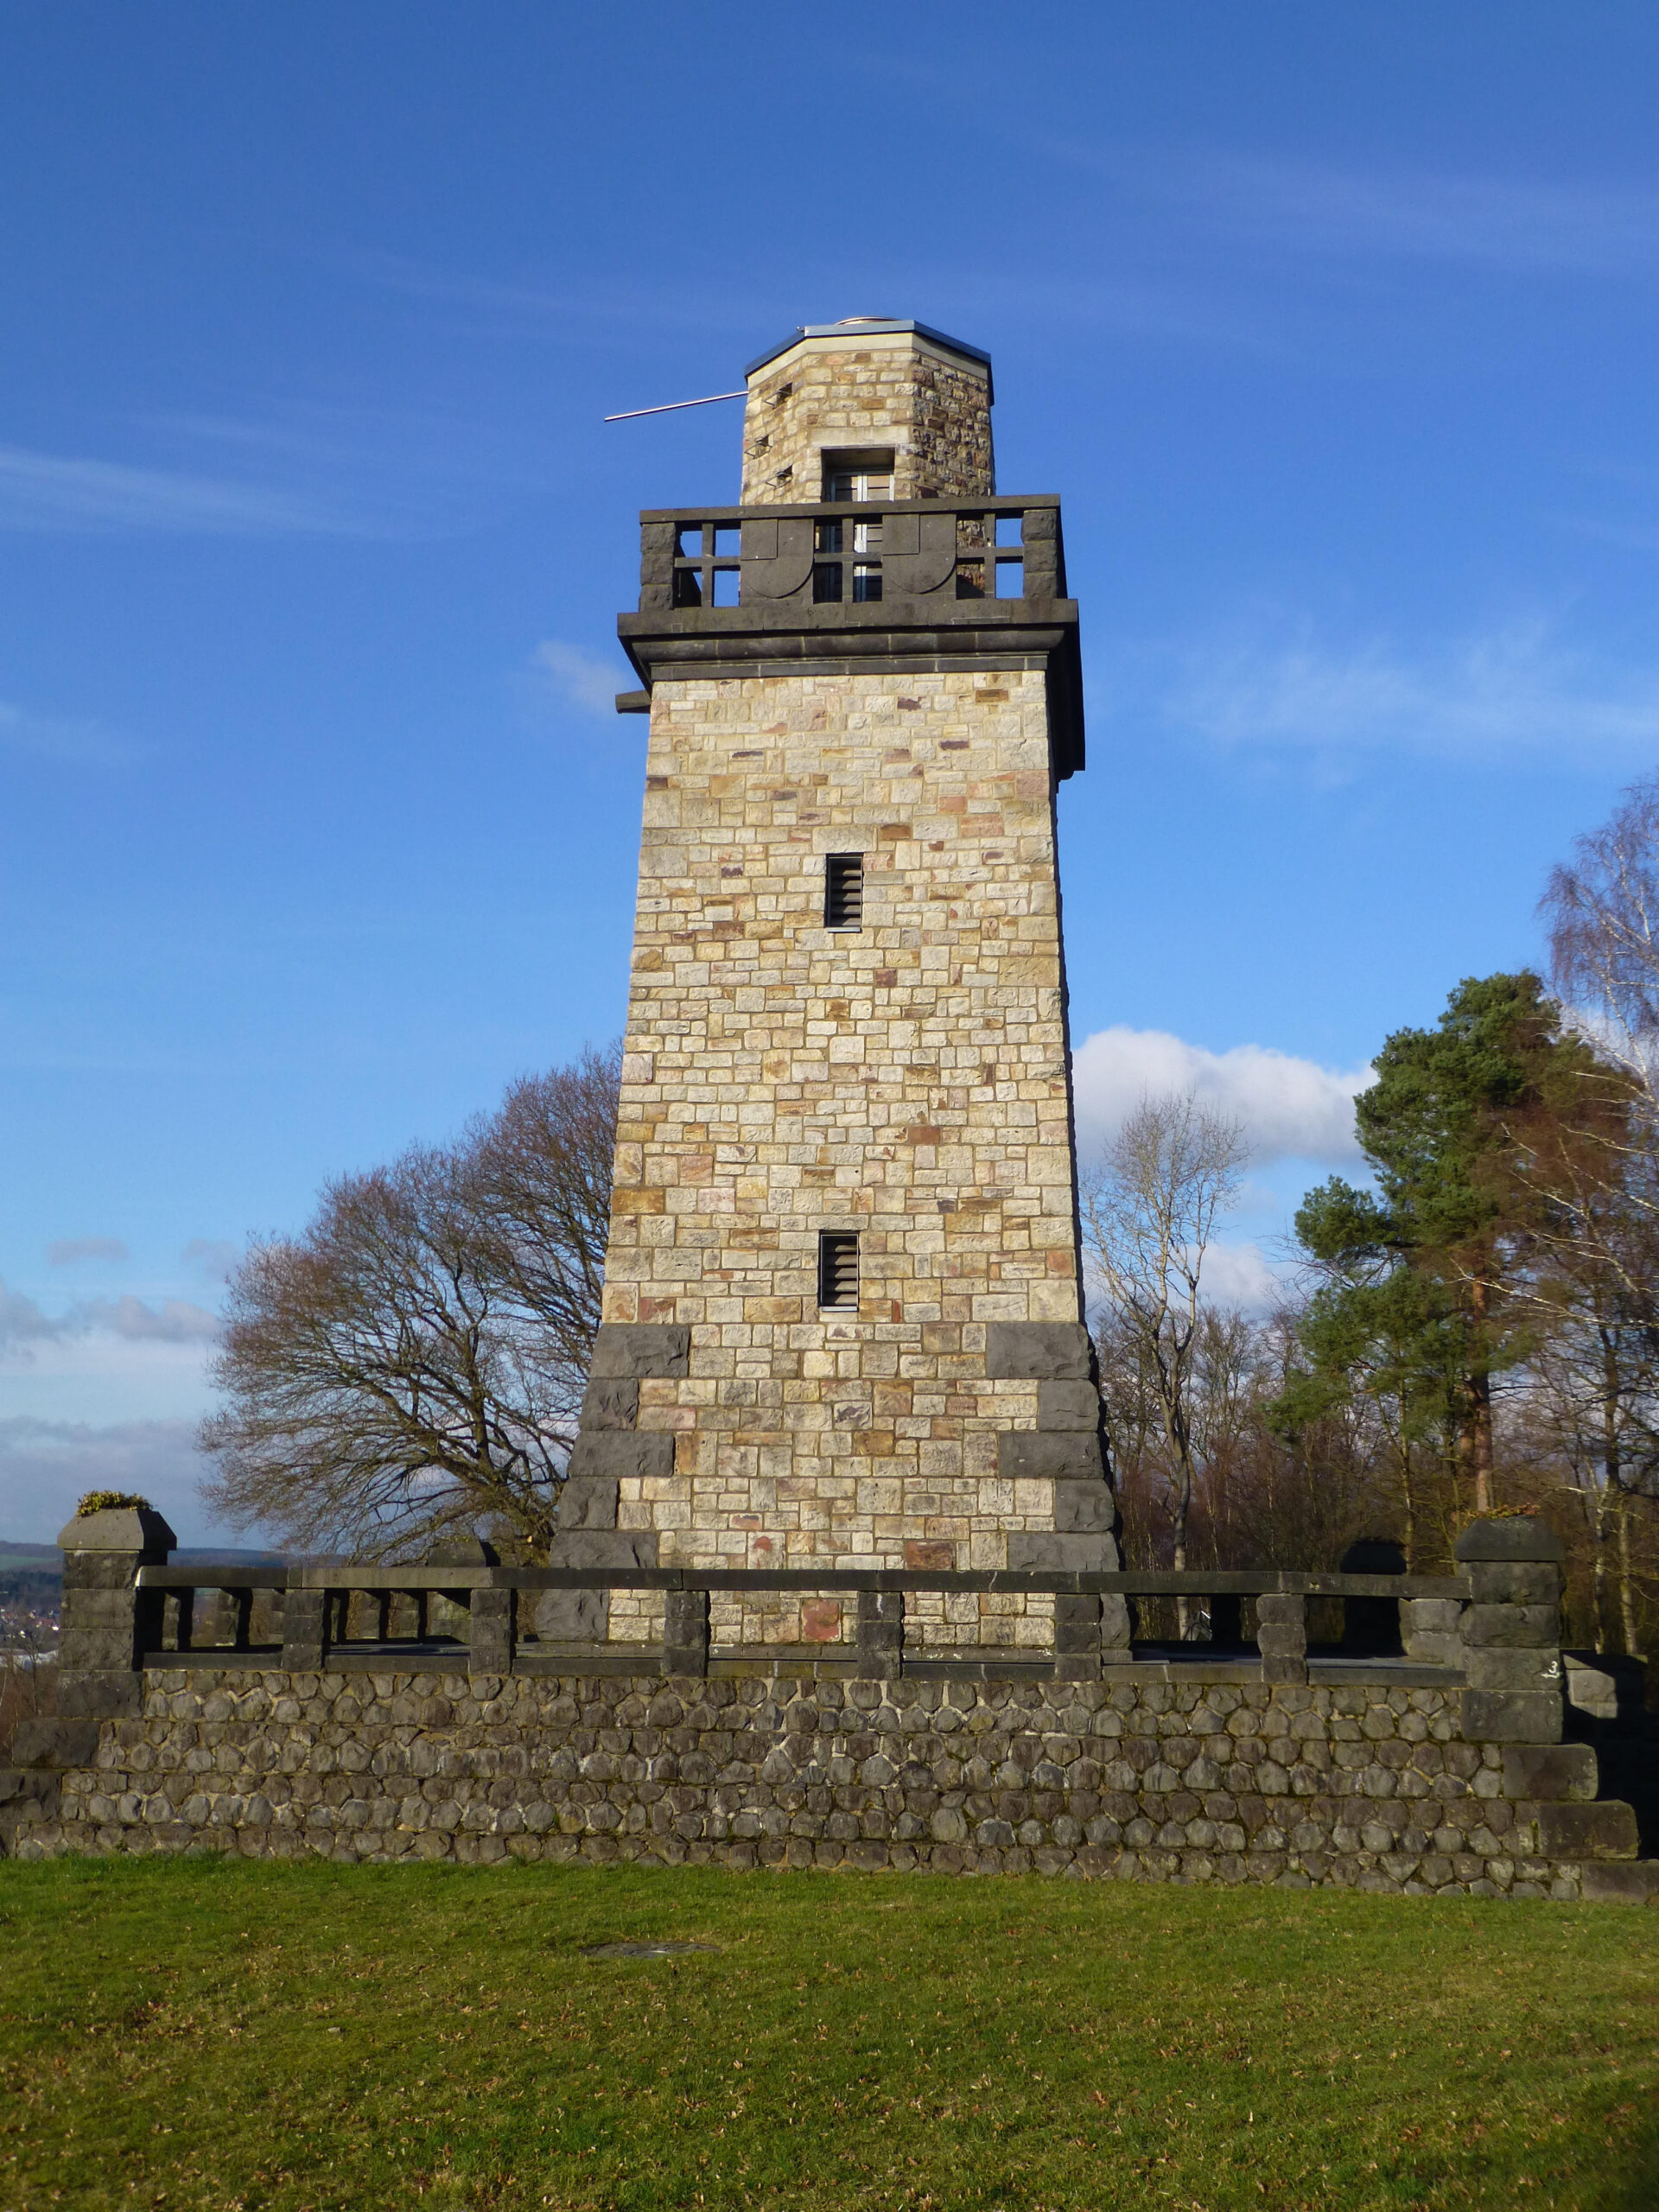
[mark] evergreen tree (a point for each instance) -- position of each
(1417, 1307)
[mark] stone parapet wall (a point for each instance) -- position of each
(1365, 1786)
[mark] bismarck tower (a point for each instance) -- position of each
(843, 1299)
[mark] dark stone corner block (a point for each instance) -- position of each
(55, 1743)
(1038, 1351)
(611, 1401)
(1068, 1405)
(1514, 1536)
(1035, 1552)
(1555, 1772)
(103, 1694)
(1069, 1457)
(606, 1455)
(1603, 1830)
(603, 1548)
(1622, 1881)
(641, 1347)
(1492, 1716)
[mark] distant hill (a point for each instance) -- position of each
(46, 1559)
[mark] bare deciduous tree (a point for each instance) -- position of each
(1149, 1210)
(414, 1363)
(1603, 915)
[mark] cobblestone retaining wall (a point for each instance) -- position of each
(1364, 1788)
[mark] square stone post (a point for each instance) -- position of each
(108, 1621)
(685, 1632)
(1431, 1631)
(1511, 1632)
(878, 1649)
(1282, 1636)
(304, 1618)
(1076, 1639)
(493, 1617)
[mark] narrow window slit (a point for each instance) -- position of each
(838, 1270)
(843, 891)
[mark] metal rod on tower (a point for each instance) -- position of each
(629, 415)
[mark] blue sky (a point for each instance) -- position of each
(1334, 327)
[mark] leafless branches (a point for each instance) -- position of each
(1149, 1210)
(414, 1362)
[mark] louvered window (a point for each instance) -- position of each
(838, 1270)
(843, 891)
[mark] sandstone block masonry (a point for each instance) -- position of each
(868, 388)
(1363, 1789)
(847, 1039)
(906, 1081)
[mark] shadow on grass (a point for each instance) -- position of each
(1636, 2190)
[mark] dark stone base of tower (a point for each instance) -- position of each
(1136, 1779)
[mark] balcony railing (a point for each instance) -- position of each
(480, 1619)
(856, 552)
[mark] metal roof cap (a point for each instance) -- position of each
(874, 326)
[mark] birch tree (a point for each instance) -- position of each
(1150, 1206)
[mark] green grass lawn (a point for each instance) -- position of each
(203, 2033)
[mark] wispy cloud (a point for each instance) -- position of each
(1513, 223)
(51, 737)
(1499, 694)
(579, 677)
(24, 1325)
(215, 1257)
(1290, 1109)
(1243, 1276)
(21, 1322)
(57, 491)
(47, 1465)
(70, 1251)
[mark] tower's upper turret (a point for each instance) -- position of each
(867, 408)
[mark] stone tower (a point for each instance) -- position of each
(844, 1308)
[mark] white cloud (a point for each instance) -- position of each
(174, 1321)
(69, 1251)
(1503, 693)
(24, 1326)
(1242, 1275)
(58, 492)
(580, 677)
(21, 1321)
(47, 1466)
(215, 1257)
(1290, 1109)
(50, 737)
(1518, 224)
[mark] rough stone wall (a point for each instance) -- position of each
(896, 391)
(907, 1080)
(1362, 1788)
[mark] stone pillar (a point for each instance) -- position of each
(108, 1621)
(490, 1651)
(1282, 1636)
(303, 1635)
(879, 1637)
(685, 1632)
(1431, 1631)
(1511, 1632)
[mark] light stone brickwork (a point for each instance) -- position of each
(907, 1080)
(899, 390)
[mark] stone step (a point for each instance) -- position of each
(1622, 1881)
